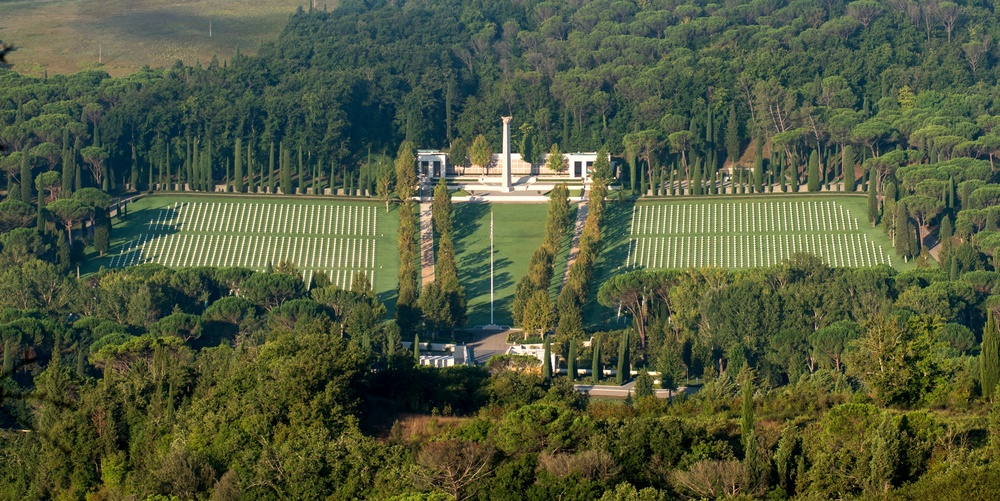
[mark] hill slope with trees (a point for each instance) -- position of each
(815, 382)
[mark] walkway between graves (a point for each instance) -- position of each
(574, 246)
(426, 245)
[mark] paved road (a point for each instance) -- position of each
(489, 343)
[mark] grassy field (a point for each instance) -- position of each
(518, 229)
(319, 236)
(655, 234)
(121, 36)
(747, 233)
(324, 236)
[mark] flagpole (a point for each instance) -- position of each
(491, 269)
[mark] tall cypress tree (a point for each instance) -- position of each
(628, 356)
(77, 174)
(848, 166)
(167, 167)
(441, 209)
(286, 170)
(796, 180)
(758, 172)
(187, 161)
(134, 173)
(332, 178)
(547, 359)
(989, 356)
(270, 169)
(238, 166)
(150, 164)
(813, 179)
(623, 362)
(696, 182)
(709, 128)
(301, 180)
(194, 169)
(595, 363)
(571, 361)
(251, 175)
(67, 168)
(777, 160)
(26, 180)
(733, 136)
(951, 192)
(946, 231)
(40, 209)
(208, 178)
(899, 239)
(407, 294)
(873, 208)
(416, 349)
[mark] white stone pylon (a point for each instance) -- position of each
(505, 157)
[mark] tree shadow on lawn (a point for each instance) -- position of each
(467, 220)
(126, 232)
(615, 240)
(474, 275)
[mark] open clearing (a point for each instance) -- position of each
(319, 236)
(65, 36)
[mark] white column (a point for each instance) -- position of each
(505, 157)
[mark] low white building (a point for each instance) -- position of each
(533, 350)
(433, 163)
(579, 165)
(444, 354)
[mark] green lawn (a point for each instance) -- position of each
(749, 232)
(319, 235)
(122, 36)
(518, 229)
(649, 241)
(195, 230)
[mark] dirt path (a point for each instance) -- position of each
(574, 246)
(426, 245)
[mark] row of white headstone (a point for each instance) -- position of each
(255, 251)
(741, 251)
(741, 217)
(267, 218)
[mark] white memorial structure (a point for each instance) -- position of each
(514, 172)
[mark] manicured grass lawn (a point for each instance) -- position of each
(518, 229)
(319, 235)
(619, 250)
(66, 36)
(748, 232)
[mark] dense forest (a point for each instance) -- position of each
(813, 382)
(765, 95)
(229, 384)
(672, 86)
